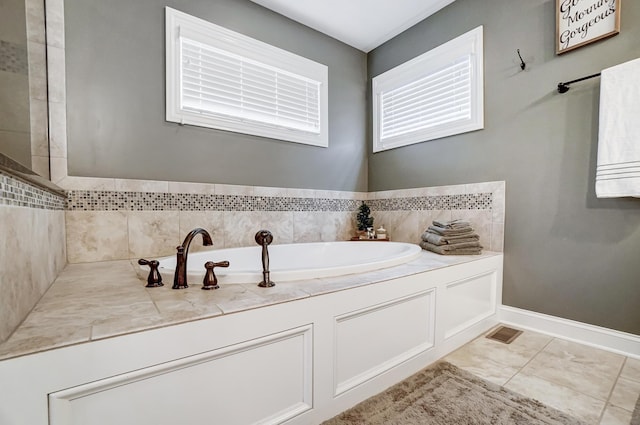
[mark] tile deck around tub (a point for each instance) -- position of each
(91, 301)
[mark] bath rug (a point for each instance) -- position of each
(443, 394)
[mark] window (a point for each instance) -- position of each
(220, 79)
(437, 94)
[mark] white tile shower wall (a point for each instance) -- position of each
(32, 251)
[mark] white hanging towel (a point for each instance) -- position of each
(618, 166)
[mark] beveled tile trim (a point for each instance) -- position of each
(14, 192)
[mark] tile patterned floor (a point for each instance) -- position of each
(597, 386)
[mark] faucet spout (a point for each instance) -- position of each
(180, 276)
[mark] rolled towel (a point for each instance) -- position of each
(436, 239)
(451, 224)
(442, 249)
(450, 232)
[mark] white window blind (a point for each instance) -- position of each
(438, 98)
(217, 82)
(434, 95)
(221, 79)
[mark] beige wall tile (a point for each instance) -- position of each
(130, 185)
(40, 165)
(39, 127)
(56, 74)
(193, 188)
(153, 233)
(498, 206)
(307, 226)
(58, 169)
(58, 130)
(35, 21)
(497, 237)
(322, 226)
(280, 224)
(270, 191)
(426, 218)
(55, 22)
(480, 221)
(87, 183)
(240, 228)
(338, 194)
(336, 226)
(96, 236)
(402, 226)
(32, 253)
(38, 69)
(304, 193)
(231, 189)
(211, 221)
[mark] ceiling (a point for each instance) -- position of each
(363, 24)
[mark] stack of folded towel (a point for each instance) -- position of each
(454, 237)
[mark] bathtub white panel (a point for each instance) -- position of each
(267, 381)
(468, 301)
(373, 340)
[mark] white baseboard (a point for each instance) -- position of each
(595, 336)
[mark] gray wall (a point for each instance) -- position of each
(115, 101)
(567, 253)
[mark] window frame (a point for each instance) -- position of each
(471, 44)
(179, 24)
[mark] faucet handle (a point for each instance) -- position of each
(210, 280)
(155, 278)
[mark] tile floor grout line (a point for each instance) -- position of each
(615, 383)
(529, 361)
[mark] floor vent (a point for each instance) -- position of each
(504, 334)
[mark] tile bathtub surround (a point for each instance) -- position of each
(149, 218)
(406, 213)
(66, 315)
(32, 250)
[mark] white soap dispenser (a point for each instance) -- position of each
(381, 233)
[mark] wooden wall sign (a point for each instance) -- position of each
(580, 22)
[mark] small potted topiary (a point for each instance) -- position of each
(364, 220)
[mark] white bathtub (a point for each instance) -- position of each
(294, 261)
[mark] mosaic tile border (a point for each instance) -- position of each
(88, 200)
(91, 200)
(13, 58)
(467, 201)
(16, 193)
